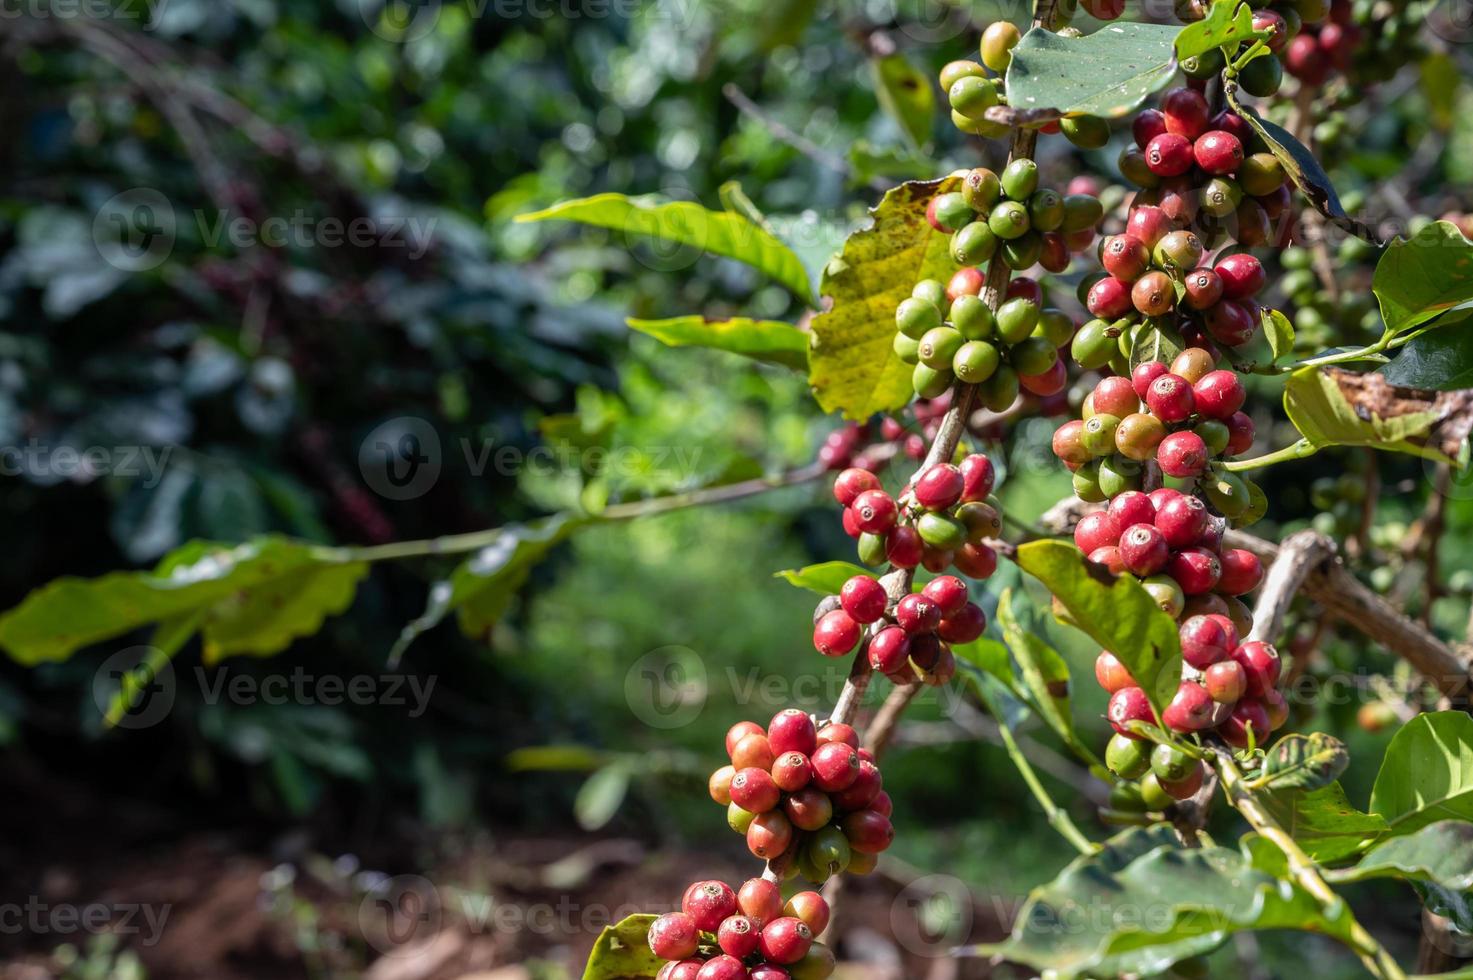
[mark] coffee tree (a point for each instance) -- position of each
(953, 308)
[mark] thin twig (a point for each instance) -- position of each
(1298, 554)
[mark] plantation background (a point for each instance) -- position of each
(263, 377)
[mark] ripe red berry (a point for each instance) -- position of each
(1242, 275)
(1190, 710)
(723, 967)
(1125, 257)
(1185, 788)
(768, 971)
(811, 908)
(1262, 665)
(1169, 154)
(1143, 550)
(791, 730)
(674, 936)
(1144, 374)
(786, 940)
(753, 790)
(1108, 556)
(1228, 627)
(836, 634)
(1126, 705)
(976, 561)
(1203, 289)
(963, 626)
(1196, 570)
(939, 487)
(1148, 223)
(1241, 572)
(835, 766)
(1111, 673)
(874, 511)
(1185, 112)
(863, 599)
(1182, 454)
(791, 772)
(753, 751)
(1219, 394)
(948, 592)
(860, 793)
(1114, 396)
(868, 831)
(1304, 59)
(737, 936)
(1096, 530)
(1181, 518)
(1050, 382)
(1068, 445)
(1226, 682)
(708, 903)
(1278, 710)
(1247, 714)
(1149, 124)
(1132, 507)
(1218, 152)
(769, 835)
(978, 477)
(682, 970)
(1153, 294)
(1241, 432)
(1024, 287)
(739, 731)
(916, 613)
(837, 731)
(1109, 298)
(1203, 642)
(760, 900)
(853, 482)
(1170, 398)
(1230, 122)
(965, 282)
(808, 809)
(1230, 323)
(889, 649)
(904, 547)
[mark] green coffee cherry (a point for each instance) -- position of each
(1000, 390)
(1262, 76)
(1214, 433)
(972, 96)
(970, 315)
(1126, 757)
(1119, 474)
(975, 361)
(872, 549)
(1098, 434)
(1016, 319)
(1220, 197)
(1167, 594)
(1008, 220)
(939, 346)
(941, 531)
(1203, 65)
(1056, 326)
(952, 211)
(929, 382)
(1127, 798)
(981, 189)
(1093, 346)
(1046, 210)
(1081, 211)
(997, 45)
(1085, 132)
(1033, 356)
(974, 244)
(1020, 179)
(1155, 797)
(1132, 164)
(1260, 174)
(1087, 482)
(1227, 492)
(913, 317)
(957, 70)
(1024, 251)
(908, 349)
(1171, 763)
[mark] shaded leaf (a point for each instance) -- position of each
(1107, 73)
(1156, 340)
(685, 223)
(852, 366)
(1439, 857)
(1278, 330)
(1416, 280)
(1114, 610)
(1323, 821)
(1228, 22)
(1438, 360)
(1046, 676)
(1320, 411)
(764, 340)
(825, 578)
(1304, 762)
(906, 95)
(622, 952)
(601, 795)
(1427, 774)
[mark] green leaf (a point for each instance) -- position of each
(991, 657)
(1439, 857)
(1438, 360)
(251, 598)
(1322, 414)
(601, 795)
(1418, 279)
(1107, 73)
(852, 366)
(684, 223)
(906, 95)
(1045, 674)
(825, 578)
(1323, 821)
(1427, 774)
(1304, 762)
(1115, 611)
(1279, 331)
(1228, 23)
(481, 588)
(623, 952)
(1144, 902)
(764, 340)
(1156, 340)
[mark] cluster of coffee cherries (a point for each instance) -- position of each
(1313, 52)
(970, 91)
(1181, 416)
(1208, 174)
(870, 445)
(721, 933)
(814, 790)
(942, 521)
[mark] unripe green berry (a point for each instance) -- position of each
(1020, 179)
(1203, 65)
(1087, 482)
(1126, 757)
(928, 382)
(1171, 763)
(1126, 797)
(1033, 355)
(955, 70)
(1000, 390)
(970, 315)
(1260, 174)
(1093, 346)
(1166, 593)
(939, 346)
(1262, 76)
(942, 531)
(1081, 211)
(1221, 197)
(974, 244)
(1008, 220)
(872, 549)
(1056, 326)
(975, 361)
(981, 189)
(1119, 474)
(1227, 492)
(913, 317)
(1024, 251)
(1046, 210)
(1016, 319)
(1156, 798)
(997, 45)
(1177, 250)
(1098, 434)
(908, 349)
(972, 96)
(1214, 433)
(932, 291)
(1085, 132)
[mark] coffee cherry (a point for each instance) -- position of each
(837, 731)
(674, 936)
(1185, 112)
(1093, 346)
(835, 766)
(1166, 593)
(1146, 126)
(1226, 681)
(1186, 787)
(682, 970)
(941, 532)
(1114, 396)
(1154, 294)
(723, 967)
(1182, 454)
(948, 592)
(998, 41)
(792, 730)
(1242, 275)
(1086, 483)
(1249, 716)
(1278, 710)
(903, 547)
(1196, 570)
(976, 561)
(1096, 530)
(708, 903)
(965, 282)
(1127, 757)
(719, 784)
(754, 751)
(738, 819)
(1125, 257)
(1143, 550)
(1260, 661)
(760, 900)
(939, 487)
(1169, 154)
(1016, 319)
(864, 599)
(770, 834)
(1138, 435)
(1242, 572)
(1217, 152)
(1203, 289)
(978, 477)
(869, 832)
(963, 626)
(1109, 298)
(1171, 764)
(915, 613)
(1261, 174)
(875, 511)
(1143, 375)
(981, 521)
(1178, 251)
(1149, 224)
(1118, 474)
(1098, 434)
(1111, 673)
(808, 809)
(1068, 445)
(862, 792)
(753, 790)
(1126, 705)
(1230, 323)
(836, 634)
(791, 772)
(739, 731)
(1180, 518)
(1170, 398)
(1204, 641)
(1131, 507)
(849, 484)
(1190, 709)
(737, 936)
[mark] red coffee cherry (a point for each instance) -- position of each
(915, 613)
(868, 832)
(1196, 570)
(963, 626)
(850, 521)
(1242, 572)
(889, 649)
(1203, 642)
(1153, 294)
(1096, 530)
(852, 482)
(768, 971)
(978, 477)
(1055, 257)
(1305, 61)
(1149, 224)
(1242, 275)
(874, 511)
(683, 970)
(1182, 454)
(674, 936)
(791, 772)
(760, 900)
(883, 805)
(835, 767)
(1180, 518)
(1277, 708)
(1226, 682)
(861, 793)
(737, 936)
(1109, 298)
(1190, 710)
(1132, 507)
(1230, 323)
(1108, 556)
(837, 731)
(786, 940)
(863, 599)
(1169, 154)
(1262, 665)
(723, 967)
(1067, 445)
(1228, 627)
(965, 282)
(939, 487)
(1143, 550)
(1241, 432)
(753, 790)
(1219, 394)
(719, 785)
(1050, 382)
(769, 835)
(1125, 257)
(708, 903)
(808, 809)
(739, 731)
(811, 909)
(1248, 714)
(1230, 122)
(836, 634)
(1204, 289)
(1126, 705)
(791, 730)
(948, 592)
(1170, 398)
(1144, 375)
(904, 547)
(1185, 112)
(1149, 124)
(1218, 152)
(1111, 673)
(976, 561)
(1115, 396)
(753, 751)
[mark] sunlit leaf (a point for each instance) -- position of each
(763, 340)
(1108, 73)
